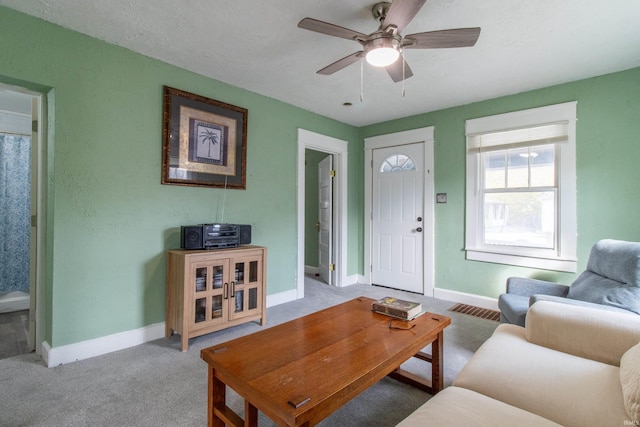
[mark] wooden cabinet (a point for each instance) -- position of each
(209, 290)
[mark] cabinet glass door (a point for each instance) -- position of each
(246, 286)
(209, 302)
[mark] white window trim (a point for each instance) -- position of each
(562, 258)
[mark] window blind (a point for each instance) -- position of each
(517, 138)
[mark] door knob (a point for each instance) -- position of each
(419, 229)
(419, 219)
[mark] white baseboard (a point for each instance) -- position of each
(354, 279)
(282, 297)
(86, 349)
(461, 297)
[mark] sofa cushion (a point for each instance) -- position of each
(630, 381)
(595, 334)
(540, 297)
(455, 406)
(566, 389)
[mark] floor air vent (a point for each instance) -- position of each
(471, 310)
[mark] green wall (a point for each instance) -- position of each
(608, 154)
(110, 220)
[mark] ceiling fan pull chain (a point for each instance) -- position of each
(361, 80)
(404, 66)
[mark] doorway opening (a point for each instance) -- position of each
(319, 216)
(19, 177)
(311, 142)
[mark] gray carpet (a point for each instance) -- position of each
(155, 384)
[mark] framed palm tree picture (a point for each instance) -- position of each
(204, 141)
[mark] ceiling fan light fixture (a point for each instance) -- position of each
(383, 49)
(382, 56)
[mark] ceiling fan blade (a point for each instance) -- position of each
(340, 64)
(395, 70)
(460, 37)
(401, 12)
(330, 29)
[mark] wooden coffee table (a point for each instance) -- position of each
(299, 372)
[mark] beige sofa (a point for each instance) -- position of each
(569, 365)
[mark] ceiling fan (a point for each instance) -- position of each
(383, 47)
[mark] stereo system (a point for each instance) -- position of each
(214, 236)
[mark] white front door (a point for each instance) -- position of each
(325, 219)
(398, 217)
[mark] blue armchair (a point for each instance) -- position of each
(610, 282)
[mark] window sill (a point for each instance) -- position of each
(557, 264)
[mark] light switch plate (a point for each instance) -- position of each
(441, 198)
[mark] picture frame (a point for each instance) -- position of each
(204, 141)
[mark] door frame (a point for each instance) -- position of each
(37, 256)
(424, 135)
(325, 270)
(338, 148)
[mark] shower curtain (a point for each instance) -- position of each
(15, 212)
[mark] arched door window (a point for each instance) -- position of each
(397, 163)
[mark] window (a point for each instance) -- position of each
(397, 163)
(521, 190)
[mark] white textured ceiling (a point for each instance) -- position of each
(256, 45)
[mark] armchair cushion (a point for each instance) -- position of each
(513, 308)
(617, 260)
(593, 288)
(612, 276)
(520, 293)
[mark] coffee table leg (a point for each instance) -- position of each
(437, 372)
(217, 396)
(250, 414)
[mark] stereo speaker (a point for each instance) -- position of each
(244, 232)
(191, 236)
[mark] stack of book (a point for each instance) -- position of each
(406, 310)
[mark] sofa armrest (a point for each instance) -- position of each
(587, 332)
(527, 287)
